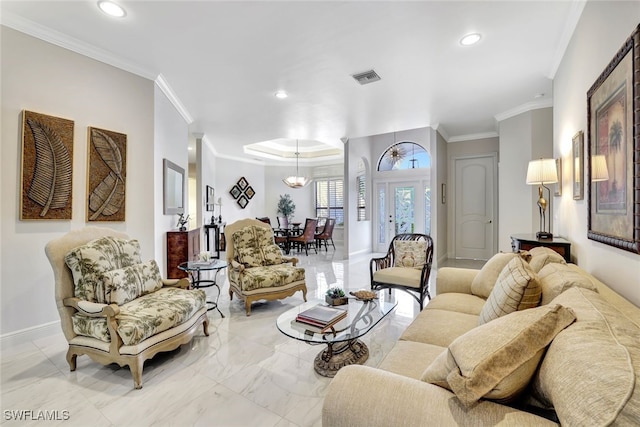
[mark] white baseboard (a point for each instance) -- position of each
(30, 334)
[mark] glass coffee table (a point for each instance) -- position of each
(344, 346)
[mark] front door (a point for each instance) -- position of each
(402, 207)
(475, 207)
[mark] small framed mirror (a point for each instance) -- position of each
(173, 188)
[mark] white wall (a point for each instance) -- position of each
(44, 78)
(227, 174)
(601, 31)
(523, 138)
(170, 142)
(303, 198)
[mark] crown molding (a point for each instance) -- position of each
(577, 6)
(57, 38)
(473, 136)
(173, 98)
(529, 106)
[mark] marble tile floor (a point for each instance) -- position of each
(246, 373)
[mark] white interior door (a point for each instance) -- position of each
(475, 207)
(400, 209)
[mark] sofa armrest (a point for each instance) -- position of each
(176, 283)
(92, 309)
(369, 397)
(454, 279)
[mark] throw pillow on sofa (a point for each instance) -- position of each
(497, 360)
(541, 256)
(517, 288)
(555, 278)
(591, 371)
(486, 278)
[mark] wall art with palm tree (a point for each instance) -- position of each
(614, 203)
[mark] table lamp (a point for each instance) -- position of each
(541, 172)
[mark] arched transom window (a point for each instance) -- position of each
(403, 156)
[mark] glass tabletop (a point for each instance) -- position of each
(214, 264)
(361, 318)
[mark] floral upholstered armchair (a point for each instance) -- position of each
(257, 268)
(114, 307)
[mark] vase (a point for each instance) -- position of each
(336, 301)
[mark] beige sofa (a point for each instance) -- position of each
(587, 375)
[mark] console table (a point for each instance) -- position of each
(529, 241)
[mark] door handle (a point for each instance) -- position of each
(489, 222)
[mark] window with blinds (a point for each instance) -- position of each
(330, 199)
(362, 191)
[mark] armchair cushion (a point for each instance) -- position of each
(145, 316)
(250, 257)
(517, 288)
(410, 253)
(266, 277)
(399, 276)
(89, 261)
(498, 360)
(126, 284)
(272, 254)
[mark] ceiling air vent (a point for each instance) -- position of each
(366, 77)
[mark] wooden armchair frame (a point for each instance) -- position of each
(387, 262)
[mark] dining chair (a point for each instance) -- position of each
(307, 237)
(264, 219)
(326, 234)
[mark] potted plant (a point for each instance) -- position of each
(286, 207)
(335, 296)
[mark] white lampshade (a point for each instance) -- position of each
(542, 171)
(599, 171)
(296, 181)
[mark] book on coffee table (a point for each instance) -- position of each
(320, 316)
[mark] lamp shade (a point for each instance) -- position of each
(542, 171)
(296, 181)
(599, 171)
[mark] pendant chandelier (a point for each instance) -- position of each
(296, 181)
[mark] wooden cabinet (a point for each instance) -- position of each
(181, 246)
(526, 242)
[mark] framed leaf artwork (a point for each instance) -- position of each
(106, 175)
(47, 167)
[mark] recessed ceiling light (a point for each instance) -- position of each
(281, 94)
(111, 8)
(470, 39)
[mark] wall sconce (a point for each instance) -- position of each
(541, 172)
